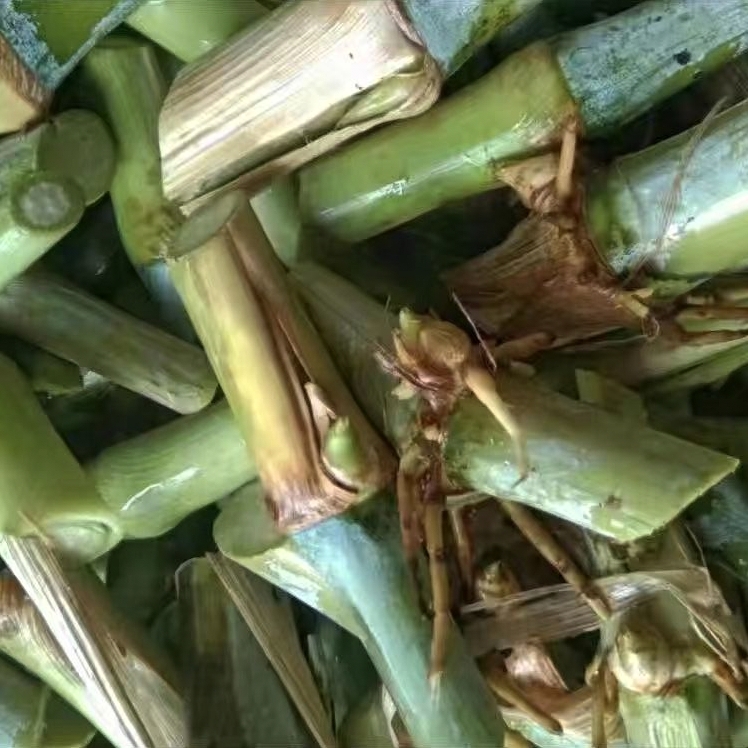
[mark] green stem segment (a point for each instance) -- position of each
(591, 468)
(73, 325)
(595, 78)
(703, 233)
(129, 87)
(365, 583)
(42, 485)
(47, 177)
(190, 30)
(155, 480)
(452, 32)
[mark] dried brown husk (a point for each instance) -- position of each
(281, 384)
(546, 277)
(303, 80)
(132, 692)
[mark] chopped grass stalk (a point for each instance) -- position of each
(693, 233)
(47, 374)
(45, 488)
(132, 691)
(453, 32)
(235, 698)
(58, 317)
(251, 325)
(579, 457)
(351, 67)
(352, 567)
(702, 230)
(130, 88)
(190, 30)
(669, 358)
(47, 177)
(659, 643)
(593, 79)
(155, 480)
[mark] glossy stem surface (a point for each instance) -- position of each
(359, 557)
(155, 480)
(130, 88)
(42, 484)
(189, 30)
(57, 316)
(679, 206)
(579, 456)
(594, 78)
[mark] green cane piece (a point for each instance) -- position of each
(155, 480)
(385, 51)
(453, 32)
(352, 566)
(35, 212)
(128, 88)
(189, 30)
(60, 318)
(47, 177)
(45, 489)
(579, 457)
(593, 78)
(239, 694)
(722, 434)
(75, 144)
(702, 234)
(710, 369)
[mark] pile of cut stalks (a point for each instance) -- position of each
(373, 373)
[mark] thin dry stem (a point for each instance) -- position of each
(599, 707)
(564, 176)
(411, 470)
(433, 530)
(464, 547)
(557, 556)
